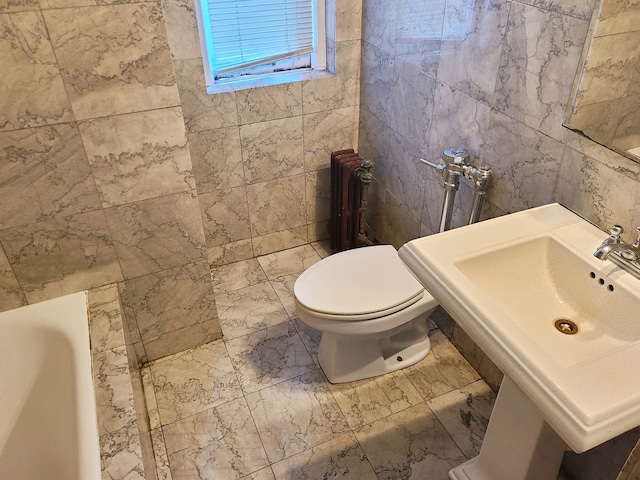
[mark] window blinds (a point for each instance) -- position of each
(245, 33)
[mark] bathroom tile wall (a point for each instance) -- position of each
(608, 95)
(97, 183)
(116, 166)
(494, 76)
(261, 156)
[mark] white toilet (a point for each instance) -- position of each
(371, 310)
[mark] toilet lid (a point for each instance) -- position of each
(357, 282)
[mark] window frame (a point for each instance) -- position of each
(318, 68)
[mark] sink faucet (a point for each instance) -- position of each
(620, 253)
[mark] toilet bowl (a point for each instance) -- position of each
(372, 312)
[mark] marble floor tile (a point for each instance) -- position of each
(220, 443)
(150, 398)
(322, 247)
(268, 357)
(296, 415)
(163, 470)
(310, 338)
(372, 399)
(264, 474)
(465, 413)
(287, 262)
(237, 275)
(249, 309)
(284, 289)
(341, 457)
(194, 381)
(411, 444)
(442, 371)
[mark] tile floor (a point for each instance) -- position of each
(257, 406)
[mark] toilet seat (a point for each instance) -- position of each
(360, 284)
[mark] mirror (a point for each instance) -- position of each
(605, 99)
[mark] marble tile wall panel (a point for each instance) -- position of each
(411, 98)
(120, 79)
(341, 90)
(138, 156)
(379, 24)
(34, 93)
(628, 130)
(272, 149)
(182, 339)
(618, 16)
(458, 119)
(326, 132)
(276, 205)
(158, 233)
(524, 164)
(167, 301)
(378, 80)
(11, 294)
(225, 215)
(56, 257)
(269, 103)
(202, 111)
(230, 252)
(598, 191)
(276, 241)
(234, 276)
(575, 8)
(216, 156)
(406, 175)
(182, 29)
(348, 20)
(472, 39)
(533, 87)
(611, 58)
(318, 195)
(45, 174)
(19, 6)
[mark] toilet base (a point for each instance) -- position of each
(518, 445)
(347, 358)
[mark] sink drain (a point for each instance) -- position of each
(566, 326)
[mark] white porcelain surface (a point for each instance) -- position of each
(508, 279)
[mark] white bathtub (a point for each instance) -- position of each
(48, 426)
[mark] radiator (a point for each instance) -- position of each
(348, 201)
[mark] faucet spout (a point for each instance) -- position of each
(610, 244)
(620, 253)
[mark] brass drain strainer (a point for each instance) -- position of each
(566, 326)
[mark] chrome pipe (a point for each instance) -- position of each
(481, 177)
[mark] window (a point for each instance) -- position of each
(248, 40)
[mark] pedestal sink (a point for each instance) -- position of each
(563, 326)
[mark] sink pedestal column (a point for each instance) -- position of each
(518, 445)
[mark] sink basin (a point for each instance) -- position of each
(556, 298)
(561, 324)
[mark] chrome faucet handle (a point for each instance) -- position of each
(615, 234)
(636, 244)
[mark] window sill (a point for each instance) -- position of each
(244, 83)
